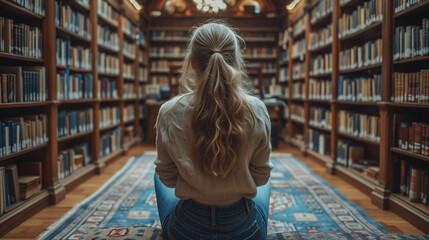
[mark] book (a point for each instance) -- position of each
(318, 141)
(109, 116)
(320, 89)
(70, 55)
(12, 170)
(107, 37)
(2, 190)
(359, 125)
(360, 56)
(362, 89)
(323, 8)
(32, 169)
(72, 20)
(415, 185)
(28, 186)
(410, 41)
(107, 11)
(320, 117)
(321, 37)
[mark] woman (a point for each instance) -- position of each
(213, 145)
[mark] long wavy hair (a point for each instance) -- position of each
(213, 71)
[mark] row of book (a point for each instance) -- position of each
(36, 6)
(72, 20)
(260, 52)
(321, 37)
(72, 56)
(142, 74)
(141, 57)
(412, 137)
(141, 40)
(359, 125)
(23, 84)
(17, 134)
(269, 68)
(321, 64)
(107, 11)
(74, 86)
(320, 89)
(129, 28)
(129, 113)
(365, 15)
(411, 87)
(71, 160)
(300, 26)
(160, 66)
(359, 56)
(298, 48)
(167, 51)
(19, 182)
(170, 35)
(20, 39)
(414, 182)
(129, 91)
(107, 88)
(284, 91)
(74, 122)
(401, 5)
(109, 116)
(108, 63)
(284, 38)
(411, 41)
(352, 155)
(361, 89)
(258, 36)
(110, 142)
(320, 117)
(318, 141)
(129, 49)
(298, 90)
(284, 56)
(298, 70)
(283, 74)
(160, 80)
(297, 112)
(323, 8)
(107, 37)
(129, 71)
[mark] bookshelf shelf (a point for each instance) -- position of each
(325, 158)
(363, 179)
(326, 101)
(19, 58)
(321, 75)
(111, 156)
(416, 213)
(129, 121)
(298, 122)
(74, 69)
(355, 103)
(25, 151)
(350, 4)
(323, 48)
(299, 35)
(409, 154)
(167, 57)
(298, 99)
(74, 36)
(261, 59)
(76, 5)
(417, 9)
(130, 79)
(112, 75)
(298, 79)
(130, 99)
(18, 10)
(319, 128)
(109, 127)
(107, 21)
(362, 69)
(346, 135)
(259, 41)
(411, 60)
(78, 175)
(322, 21)
(108, 100)
(128, 58)
(24, 104)
(142, 65)
(28, 207)
(76, 101)
(107, 49)
(407, 105)
(366, 33)
(129, 37)
(74, 136)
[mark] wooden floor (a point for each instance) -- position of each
(37, 224)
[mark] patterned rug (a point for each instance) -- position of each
(301, 201)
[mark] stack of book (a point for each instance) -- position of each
(28, 186)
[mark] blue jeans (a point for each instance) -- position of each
(187, 219)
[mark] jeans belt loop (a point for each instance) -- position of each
(213, 215)
(246, 203)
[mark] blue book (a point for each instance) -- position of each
(7, 182)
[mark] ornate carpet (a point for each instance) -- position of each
(301, 201)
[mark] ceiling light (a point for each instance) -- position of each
(212, 6)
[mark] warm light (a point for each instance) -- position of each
(212, 5)
(135, 4)
(292, 4)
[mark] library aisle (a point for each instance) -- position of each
(346, 84)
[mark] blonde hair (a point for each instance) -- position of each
(213, 71)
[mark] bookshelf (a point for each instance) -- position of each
(379, 91)
(78, 85)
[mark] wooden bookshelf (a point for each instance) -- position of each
(53, 189)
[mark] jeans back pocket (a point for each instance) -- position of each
(253, 232)
(180, 231)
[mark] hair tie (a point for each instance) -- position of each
(217, 51)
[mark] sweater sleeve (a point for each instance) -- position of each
(260, 164)
(165, 166)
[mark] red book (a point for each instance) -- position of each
(423, 140)
(417, 137)
(411, 137)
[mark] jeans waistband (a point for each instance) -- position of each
(243, 206)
